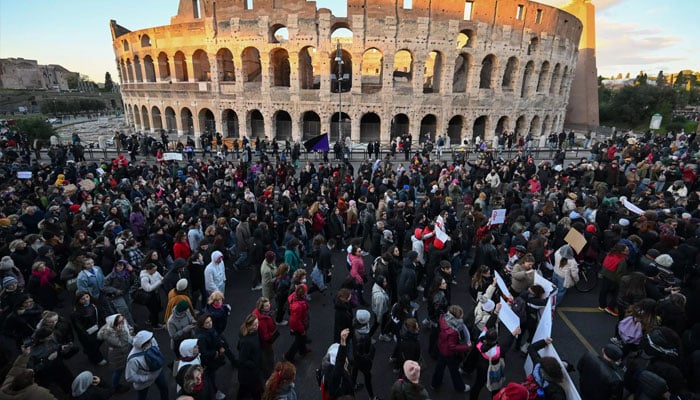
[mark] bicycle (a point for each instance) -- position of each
(587, 276)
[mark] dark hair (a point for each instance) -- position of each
(435, 285)
(23, 379)
(537, 290)
(551, 367)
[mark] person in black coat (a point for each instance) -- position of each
(86, 321)
(486, 254)
(600, 378)
(250, 360)
(343, 313)
(322, 256)
(338, 381)
(408, 278)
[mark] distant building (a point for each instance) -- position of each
(18, 73)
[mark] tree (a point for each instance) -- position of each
(619, 76)
(72, 81)
(35, 128)
(627, 76)
(661, 79)
(108, 82)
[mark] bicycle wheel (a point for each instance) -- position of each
(588, 279)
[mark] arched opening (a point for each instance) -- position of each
(502, 125)
(207, 123)
(428, 126)
(403, 69)
(125, 45)
(137, 69)
(150, 69)
(532, 45)
(279, 34)
(488, 65)
(252, 68)
(256, 121)
(344, 127)
(180, 67)
(345, 82)
(372, 71)
(341, 32)
(157, 119)
(145, 41)
(564, 78)
(465, 39)
(400, 125)
(224, 62)
(370, 128)
(163, 67)
(170, 121)
(546, 126)
(200, 66)
(479, 129)
(309, 70)
(130, 70)
(454, 129)
(462, 71)
(146, 122)
(283, 126)
(433, 73)
(520, 128)
(527, 77)
(542, 80)
(230, 119)
(122, 70)
(310, 125)
(509, 74)
(535, 126)
(279, 67)
(186, 121)
(556, 76)
(137, 115)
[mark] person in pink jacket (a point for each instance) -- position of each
(357, 271)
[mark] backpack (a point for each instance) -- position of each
(533, 388)
(153, 357)
(519, 307)
(496, 375)
(630, 330)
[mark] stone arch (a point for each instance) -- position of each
(488, 65)
(187, 121)
(462, 74)
(520, 127)
(180, 64)
(372, 70)
(564, 78)
(400, 125)
(230, 123)
(535, 126)
(542, 80)
(479, 128)
(163, 66)
(125, 45)
(533, 45)
(145, 41)
(145, 121)
(137, 115)
(256, 123)
(502, 125)
(345, 81)
(555, 124)
(428, 128)
(157, 119)
(137, 69)
(527, 77)
(510, 73)
(403, 68)
(370, 128)
(466, 38)
(433, 72)
(207, 121)
(455, 129)
(341, 29)
(309, 70)
(280, 69)
(225, 65)
(310, 125)
(546, 125)
(556, 77)
(200, 66)
(252, 67)
(170, 119)
(283, 125)
(345, 126)
(150, 69)
(129, 71)
(279, 34)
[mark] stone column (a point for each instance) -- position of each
(296, 130)
(293, 73)
(265, 75)
(181, 130)
(214, 72)
(190, 70)
(385, 133)
(418, 75)
(325, 75)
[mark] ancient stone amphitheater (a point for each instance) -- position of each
(283, 69)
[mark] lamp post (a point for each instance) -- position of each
(339, 60)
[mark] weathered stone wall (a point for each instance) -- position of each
(18, 73)
(425, 70)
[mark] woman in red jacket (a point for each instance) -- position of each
(267, 331)
(298, 322)
(453, 344)
(181, 248)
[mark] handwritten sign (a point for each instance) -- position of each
(24, 174)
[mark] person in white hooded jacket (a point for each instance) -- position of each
(189, 355)
(117, 333)
(138, 372)
(215, 274)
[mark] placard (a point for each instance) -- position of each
(576, 240)
(24, 174)
(498, 216)
(172, 156)
(509, 318)
(546, 285)
(502, 284)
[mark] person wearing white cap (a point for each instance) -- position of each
(363, 350)
(141, 373)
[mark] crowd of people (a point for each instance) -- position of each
(86, 246)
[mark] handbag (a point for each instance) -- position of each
(139, 295)
(495, 375)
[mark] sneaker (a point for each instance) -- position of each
(467, 388)
(283, 323)
(220, 395)
(601, 309)
(611, 311)
(102, 363)
(254, 288)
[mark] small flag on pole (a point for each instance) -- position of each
(318, 143)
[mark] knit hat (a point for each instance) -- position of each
(269, 256)
(624, 222)
(181, 285)
(9, 280)
(362, 317)
(418, 233)
(512, 391)
(179, 263)
(412, 371)
(74, 208)
(6, 264)
(664, 260)
(613, 352)
(182, 305)
(81, 383)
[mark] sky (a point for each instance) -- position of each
(632, 35)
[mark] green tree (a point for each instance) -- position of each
(109, 84)
(660, 79)
(72, 81)
(627, 76)
(35, 128)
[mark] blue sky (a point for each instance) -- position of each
(632, 35)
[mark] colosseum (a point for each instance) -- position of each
(284, 69)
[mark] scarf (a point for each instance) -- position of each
(44, 276)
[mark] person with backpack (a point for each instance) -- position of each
(144, 366)
(409, 388)
(363, 350)
(453, 344)
(547, 375)
(408, 345)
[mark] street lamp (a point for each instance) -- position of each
(339, 60)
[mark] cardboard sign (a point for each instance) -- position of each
(575, 240)
(498, 216)
(509, 318)
(24, 174)
(502, 284)
(172, 156)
